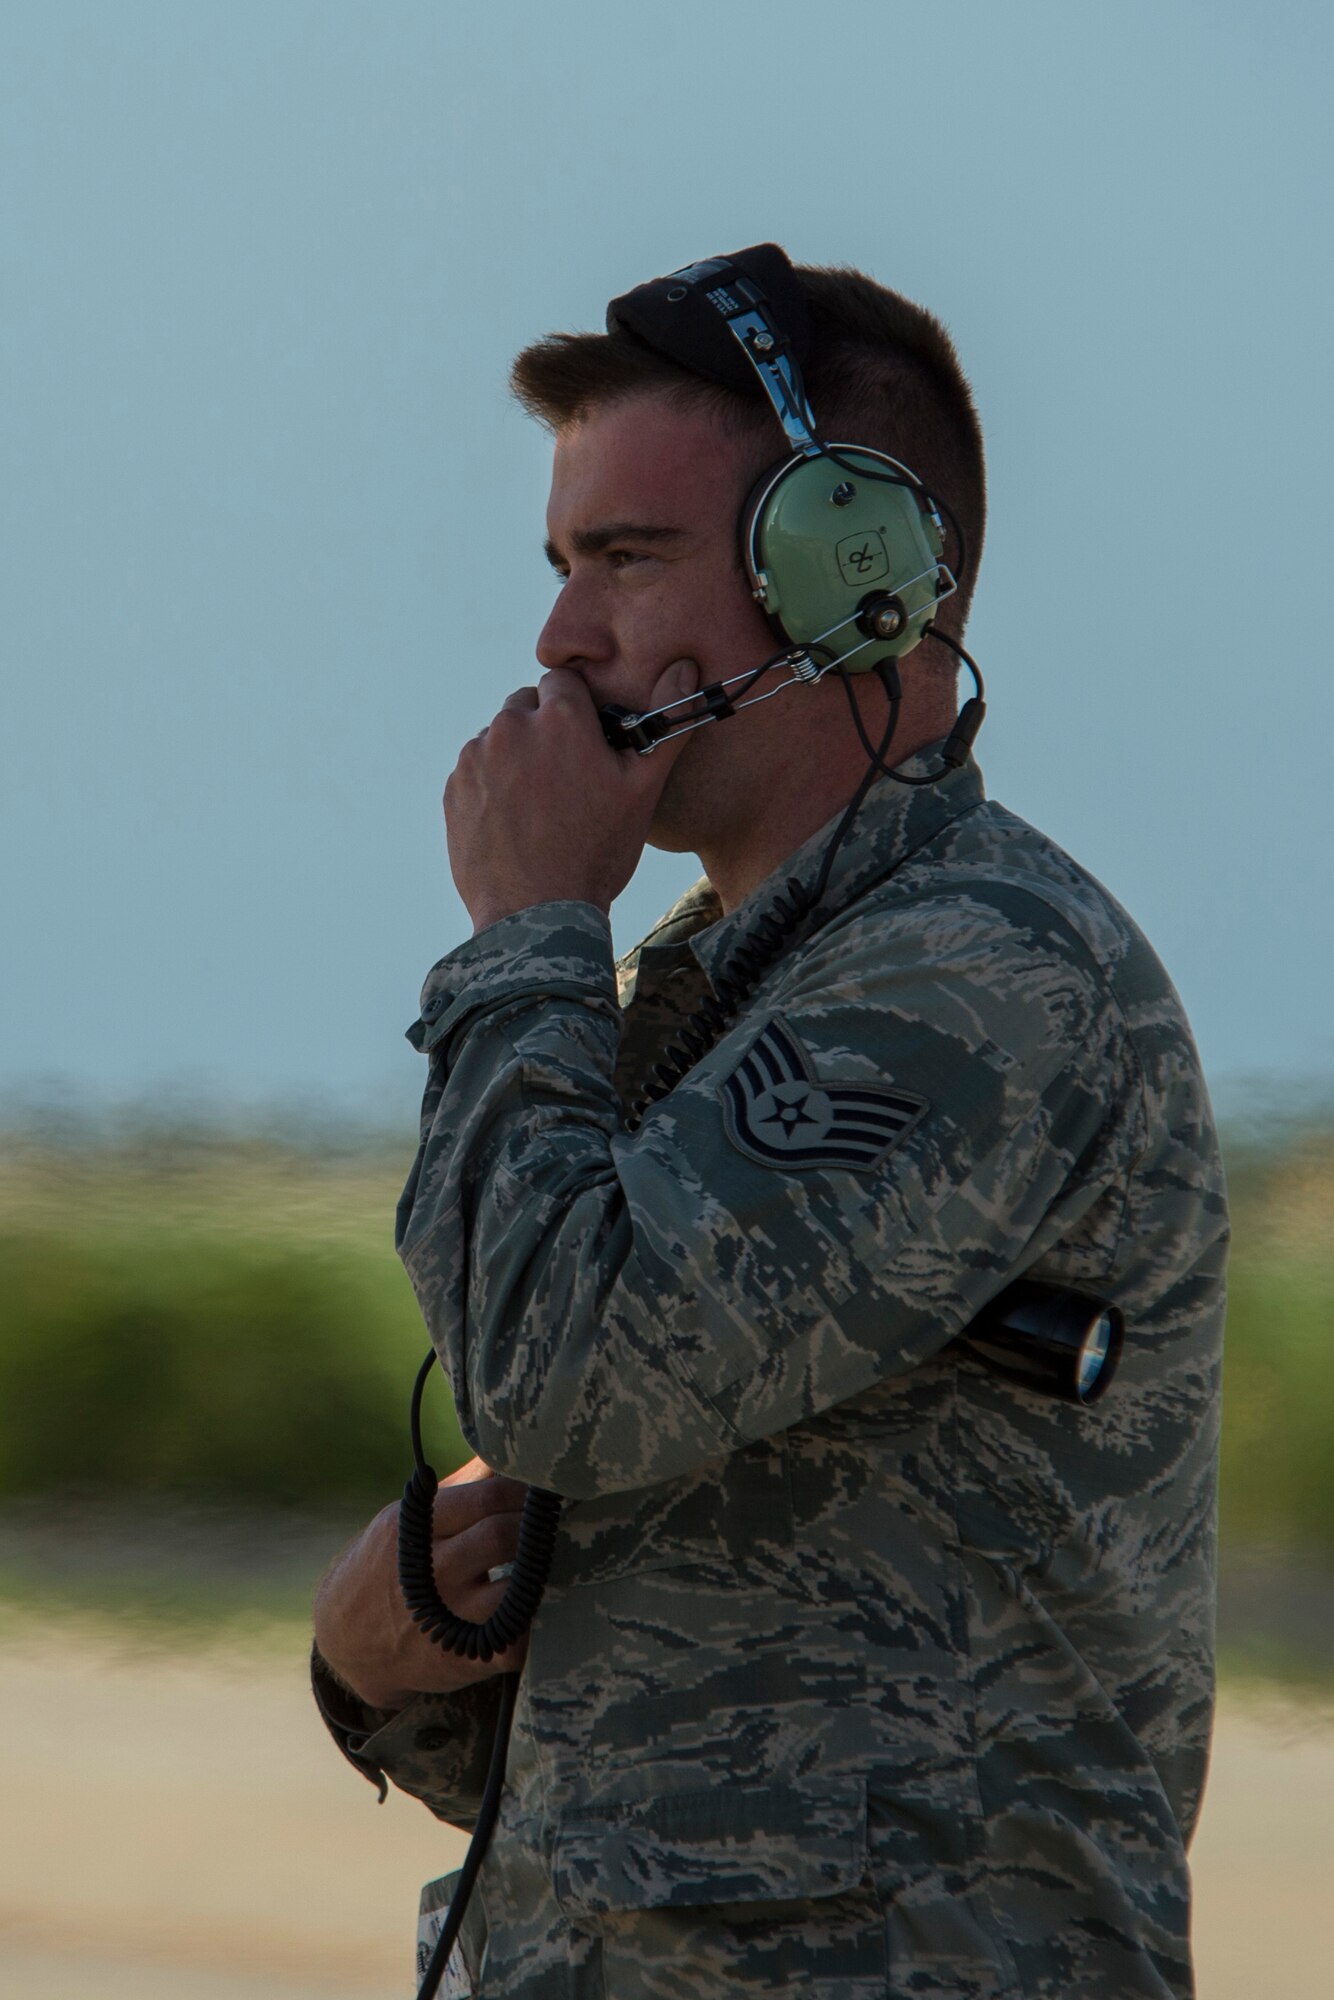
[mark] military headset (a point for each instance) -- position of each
(844, 550)
(842, 545)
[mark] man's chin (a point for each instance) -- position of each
(669, 840)
(674, 828)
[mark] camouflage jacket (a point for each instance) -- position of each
(861, 1671)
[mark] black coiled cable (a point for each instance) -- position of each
(508, 1622)
(958, 745)
(416, 1564)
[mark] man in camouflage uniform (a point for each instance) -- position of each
(861, 1671)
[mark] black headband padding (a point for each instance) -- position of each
(672, 315)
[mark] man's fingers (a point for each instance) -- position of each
(565, 698)
(679, 679)
(423, 1666)
(675, 683)
(475, 1470)
(458, 1508)
(562, 684)
(463, 1565)
(362, 1625)
(524, 697)
(468, 1558)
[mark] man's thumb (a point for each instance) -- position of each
(681, 678)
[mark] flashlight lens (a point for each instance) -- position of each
(1093, 1353)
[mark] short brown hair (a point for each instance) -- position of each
(881, 371)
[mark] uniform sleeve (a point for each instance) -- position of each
(831, 1194)
(437, 1748)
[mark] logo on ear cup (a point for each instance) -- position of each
(862, 558)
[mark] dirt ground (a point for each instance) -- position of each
(182, 1827)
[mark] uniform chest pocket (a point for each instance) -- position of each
(730, 1510)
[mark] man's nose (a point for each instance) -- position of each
(575, 634)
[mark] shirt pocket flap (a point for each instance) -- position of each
(736, 1844)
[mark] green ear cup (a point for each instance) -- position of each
(847, 566)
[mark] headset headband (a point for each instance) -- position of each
(734, 320)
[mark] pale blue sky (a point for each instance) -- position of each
(270, 547)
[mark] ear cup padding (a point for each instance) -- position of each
(753, 502)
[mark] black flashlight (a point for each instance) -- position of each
(1051, 1338)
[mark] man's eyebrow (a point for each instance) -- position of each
(592, 541)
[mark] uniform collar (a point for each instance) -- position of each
(893, 823)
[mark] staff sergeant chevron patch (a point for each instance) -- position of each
(779, 1112)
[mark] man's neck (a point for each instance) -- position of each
(803, 798)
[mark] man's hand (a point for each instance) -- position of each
(362, 1626)
(541, 809)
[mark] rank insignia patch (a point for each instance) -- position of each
(779, 1112)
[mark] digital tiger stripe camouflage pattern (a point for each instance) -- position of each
(861, 1672)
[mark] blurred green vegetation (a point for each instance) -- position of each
(1277, 1488)
(227, 1322)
